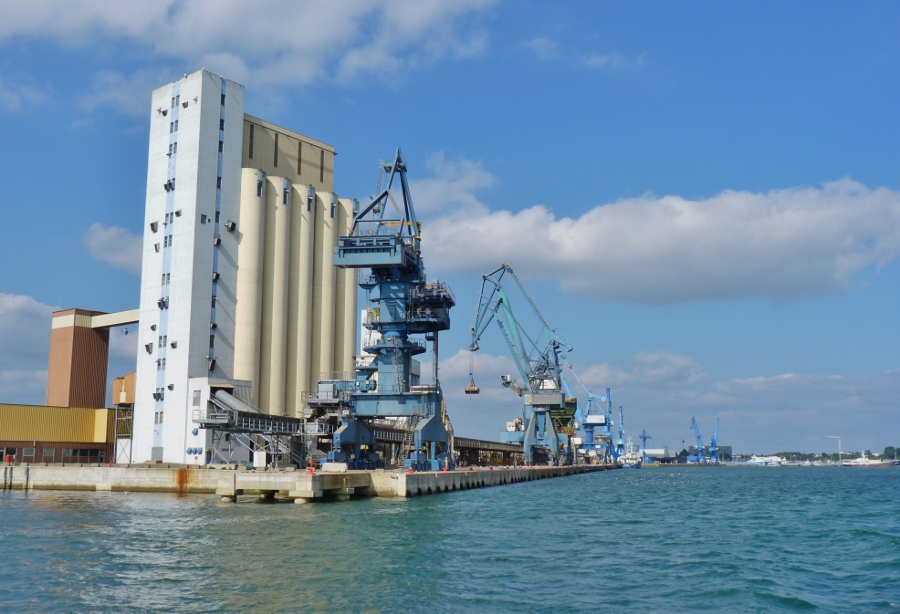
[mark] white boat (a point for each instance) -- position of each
(865, 461)
(766, 461)
(632, 459)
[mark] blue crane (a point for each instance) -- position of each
(385, 239)
(593, 422)
(696, 429)
(620, 440)
(714, 445)
(538, 359)
(644, 437)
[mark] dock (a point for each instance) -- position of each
(229, 482)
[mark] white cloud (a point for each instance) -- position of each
(782, 244)
(16, 96)
(543, 48)
(115, 246)
(452, 187)
(610, 61)
(308, 41)
(24, 332)
(129, 94)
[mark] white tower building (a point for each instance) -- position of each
(237, 286)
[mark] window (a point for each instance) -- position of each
(221, 145)
(299, 158)
(170, 240)
(176, 125)
(170, 149)
(168, 278)
(321, 161)
(173, 102)
(223, 100)
(221, 124)
(196, 401)
(166, 241)
(250, 152)
(276, 150)
(202, 218)
(163, 282)
(333, 207)
(284, 197)
(171, 127)
(27, 452)
(258, 187)
(212, 303)
(218, 182)
(49, 453)
(217, 217)
(175, 147)
(212, 341)
(309, 202)
(177, 100)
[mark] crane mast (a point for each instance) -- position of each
(538, 360)
(700, 457)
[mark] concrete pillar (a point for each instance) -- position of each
(300, 297)
(273, 346)
(248, 305)
(323, 287)
(346, 290)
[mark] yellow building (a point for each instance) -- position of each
(48, 434)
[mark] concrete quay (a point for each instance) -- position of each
(230, 482)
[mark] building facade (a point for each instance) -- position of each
(238, 288)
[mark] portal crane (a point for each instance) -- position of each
(594, 423)
(385, 238)
(538, 361)
(620, 440)
(700, 457)
(644, 437)
(714, 445)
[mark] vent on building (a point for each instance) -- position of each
(216, 239)
(215, 276)
(178, 213)
(153, 327)
(184, 104)
(149, 348)
(154, 226)
(212, 363)
(173, 345)
(213, 325)
(156, 247)
(230, 226)
(163, 302)
(172, 386)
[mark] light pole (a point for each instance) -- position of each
(840, 454)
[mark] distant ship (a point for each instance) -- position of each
(632, 459)
(766, 461)
(865, 461)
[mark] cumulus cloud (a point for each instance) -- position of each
(23, 386)
(610, 61)
(313, 41)
(16, 96)
(453, 185)
(782, 244)
(543, 48)
(24, 331)
(115, 246)
(129, 94)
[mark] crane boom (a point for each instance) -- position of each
(699, 438)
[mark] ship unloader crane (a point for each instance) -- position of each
(385, 238)
(538, 360)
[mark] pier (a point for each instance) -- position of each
(230, 483)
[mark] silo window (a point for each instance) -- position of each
(212, 341)
(221, 125)
(299, 158)
(276, 150)
(223, 100)
(284, 197)
(218, 182)
(259, 188)
(202, 218)
(176, 125)
(321, 163)
(250, 152)
(221, 144)
(333, 207)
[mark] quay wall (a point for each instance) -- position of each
(230, 482)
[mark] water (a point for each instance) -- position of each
(732, 539)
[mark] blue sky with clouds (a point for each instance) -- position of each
(703, 198)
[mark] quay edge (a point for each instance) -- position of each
(229, 482)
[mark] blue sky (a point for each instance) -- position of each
(704, 198)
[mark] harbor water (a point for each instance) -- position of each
(739, 539)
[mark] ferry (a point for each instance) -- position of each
(766, 461)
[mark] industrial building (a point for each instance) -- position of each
(238, 288)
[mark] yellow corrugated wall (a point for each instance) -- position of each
(62, 424)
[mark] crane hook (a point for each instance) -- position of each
(472, 388)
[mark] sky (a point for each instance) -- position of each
(703, 198)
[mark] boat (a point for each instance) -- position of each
(766, 461)
(632, 459)
(865, 461)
